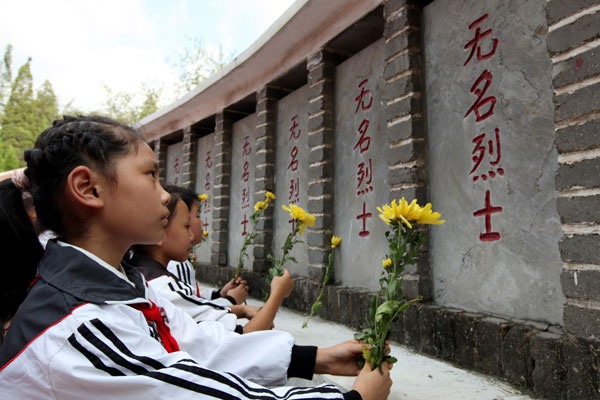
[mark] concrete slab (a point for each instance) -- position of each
(416, 377)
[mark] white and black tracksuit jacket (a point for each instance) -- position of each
(76, 337)
(185, 272)
(183, 296)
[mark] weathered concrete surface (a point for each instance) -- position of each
(358, 262)
(243, 165)
(291, 169)
(518, 275)
(205, 170)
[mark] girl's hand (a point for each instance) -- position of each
(250, 311)
(281, 286)
(239, 293)
(339, 359)
(374, 385)
(232, 284)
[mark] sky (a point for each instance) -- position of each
(81, 45)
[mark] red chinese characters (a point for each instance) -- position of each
(207, 187)
(486, 146)
(364, 174)
(294, 188)
(245, 194)
(176, 170)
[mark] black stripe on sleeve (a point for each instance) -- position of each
(194, 300)
(96, 362)
(188, 275)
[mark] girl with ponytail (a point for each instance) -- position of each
(86, 325)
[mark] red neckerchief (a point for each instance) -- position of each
(155, 314)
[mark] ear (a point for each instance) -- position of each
(85, 186)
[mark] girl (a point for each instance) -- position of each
(235, 291)
(176, 244)
(89, 327)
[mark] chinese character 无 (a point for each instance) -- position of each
(474, 43)
(364, 175)
(487, 211)
(364, 141)
(208, 161)
(486, 77)
(479, 153)
(294, 134)
(247, 149)
(360, 99)
(364, 232)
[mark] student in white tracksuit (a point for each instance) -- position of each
(88, 326)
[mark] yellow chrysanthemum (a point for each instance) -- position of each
(335, 241)
(387, 262)
(205, 234)
(301, 216)
(269, 196)
(260, 205)
(203, 197)
(407, 213)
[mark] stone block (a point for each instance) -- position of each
(584, 29)
(333, 311)
(316, 256)
(585, 173)
(584, 285)
(409, 83)
(323, 221)
(582, 322)
(316, 273)
(409, 105)
(321, 205)
(579, 137)
(580, 249)
(260, 251)
(398, 176)
(324, 70)
(412, 327)
(405, 40)
(413, 288)
(428, 317)
(260, 265)
(413, 127)
(344, 306)
(578, 68)
(444, 334)
(548, 374)
(320, 103)
(574, 210)
(401, 64)
(320, 171)
(321, 120)
(557, 9)
(465, 329)
(320, 154)
(408, 152)
(581, 102)
(421, 267)
(323, 136)
(318, 239)
(410, 16)
(581, 358)
(517, 365)
(267, 117)
(419, 193)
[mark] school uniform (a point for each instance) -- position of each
(185, 272)
(86, 330)
(169, 287)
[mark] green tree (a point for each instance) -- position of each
(130, 108)
(5, 77)
(46, 108)
(10, 159)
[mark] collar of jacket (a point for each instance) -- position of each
(149, 267)
(72, 272)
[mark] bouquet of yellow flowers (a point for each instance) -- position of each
(386, 306)
(259, 209)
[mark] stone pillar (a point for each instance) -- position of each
(190, 157)
(222, 172)
(264, 178)
(574, 44)
(321, 142)
(405, 124)
(160, 150)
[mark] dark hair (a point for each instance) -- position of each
(72, 141)
(188, 196)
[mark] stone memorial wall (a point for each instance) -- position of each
(205, 148)
(174, 163)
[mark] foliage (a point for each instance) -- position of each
(130, 108)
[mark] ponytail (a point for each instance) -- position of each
(21, 250)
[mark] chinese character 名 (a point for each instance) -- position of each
(364, 217)
(480, 102)
(479, 153)
(488, 236)
(293, 133)
(364, 172)
(294, 190)
(208, 161)
(244, 222)
(293, 163)
(207, 182)
(247, 149)
(474, 43)
(246, 173)
(245, 197)
(360, 99)
(365, 141)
